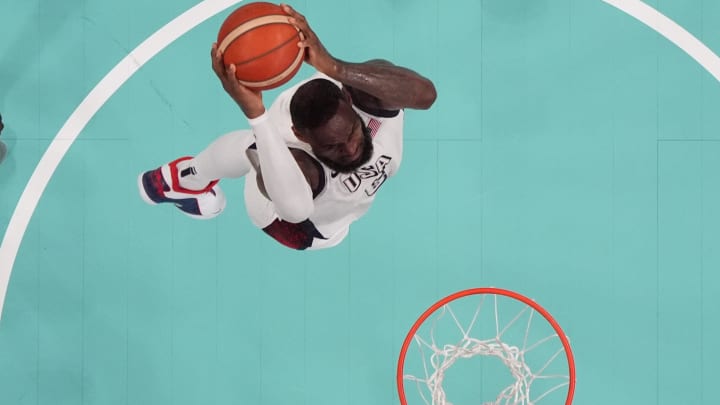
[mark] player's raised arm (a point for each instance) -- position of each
(284, 181)
(396, 87)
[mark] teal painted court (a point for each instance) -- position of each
(573, 156)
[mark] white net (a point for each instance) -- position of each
(526, 344)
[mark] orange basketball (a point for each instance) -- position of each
(262, 44)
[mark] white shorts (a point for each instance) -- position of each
(262, 214)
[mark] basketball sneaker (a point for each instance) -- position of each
(162, 185)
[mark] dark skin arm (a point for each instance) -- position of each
(380, 84)
(393, 87)
(367, 101)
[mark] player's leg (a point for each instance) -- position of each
(262, 214)
(191, 183)
(225, 158)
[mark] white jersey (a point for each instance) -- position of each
(345, 197)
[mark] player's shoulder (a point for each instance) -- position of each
(371, 105)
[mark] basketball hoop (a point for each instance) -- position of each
(460, 327)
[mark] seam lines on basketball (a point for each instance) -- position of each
(249, 25)
(298, 60)
(269, 51)
(256, 23)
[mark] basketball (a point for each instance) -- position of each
(262, 44)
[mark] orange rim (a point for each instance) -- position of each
(497, 291)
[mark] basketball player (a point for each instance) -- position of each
(314, 161)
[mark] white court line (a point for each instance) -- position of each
(672, 31)
(82, 115)
(182, 24)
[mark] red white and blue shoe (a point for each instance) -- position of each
(162, 185)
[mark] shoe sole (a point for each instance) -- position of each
(143, 194)
(145, 197)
